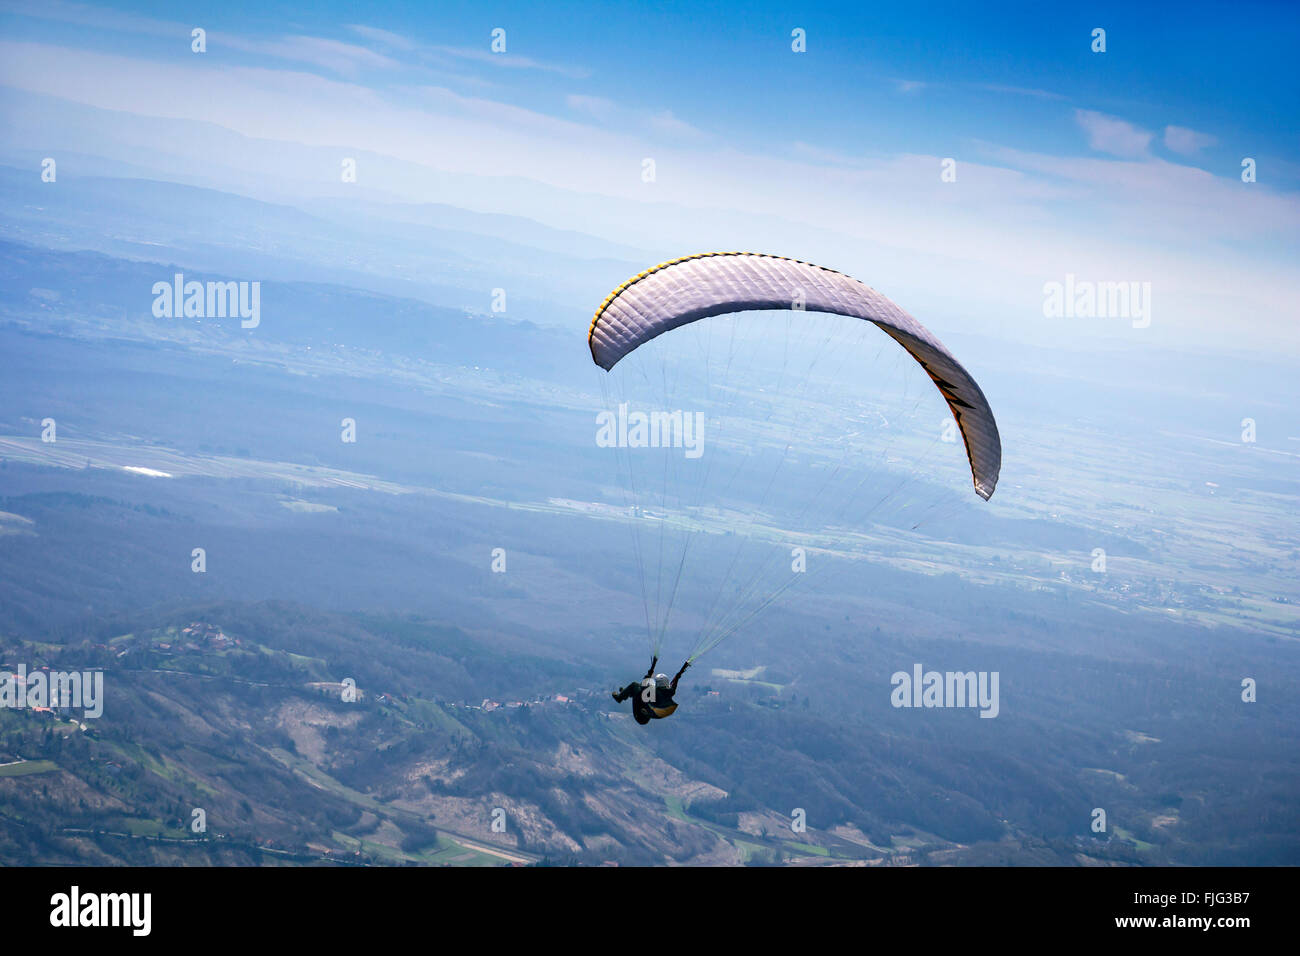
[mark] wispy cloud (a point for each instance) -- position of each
(916, 86)
(658, 123)
(1018, 91)
(666, 122)
(820, 154)
(85, 15)
(1110, 134)
(1186, 141)
(484, 114)
(511, 61)
(1177, 200)
(345, 58)
(334, 55)
(386, 37)
(508, 61)
(595, 106)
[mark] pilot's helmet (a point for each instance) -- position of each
(662, 682)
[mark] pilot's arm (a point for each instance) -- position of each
(673, 689)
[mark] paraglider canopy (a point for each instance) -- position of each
(680, 291)
(799, 464)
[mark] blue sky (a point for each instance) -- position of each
(727, 66)
(1122, 165)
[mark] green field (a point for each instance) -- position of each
(28, 767)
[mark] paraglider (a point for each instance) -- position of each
(691, 288)
(671, 516)
(652, 699)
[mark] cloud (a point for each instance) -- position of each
(1178, 201)
(511, 61)
(910, 86)
(1019, 91)
(333, 55)
(998, 228)
(1186, 141)
(595, 106)
(345, 58)
(666, 122)
(1110, 134)
(435, 52)
(386, 37)
(820, 154)
(609, 115)
(487, 114)
(88, 16)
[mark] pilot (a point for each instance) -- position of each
(652, 699)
